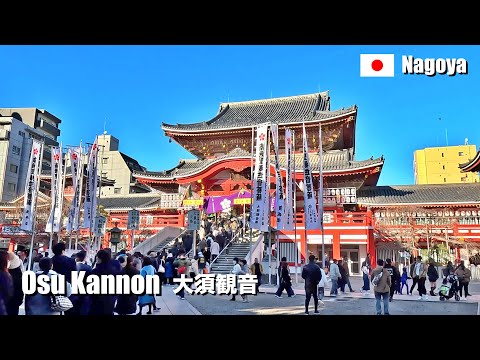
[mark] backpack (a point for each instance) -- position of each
(376, 279)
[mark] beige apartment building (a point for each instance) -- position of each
(18, 126)
(119, 167)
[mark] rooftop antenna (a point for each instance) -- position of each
(318, 87)
(104, 127)
(271, 94)
(466, 141)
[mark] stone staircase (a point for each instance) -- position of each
(237, 248)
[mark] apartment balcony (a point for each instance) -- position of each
(43, 125)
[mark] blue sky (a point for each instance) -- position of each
(135, 88)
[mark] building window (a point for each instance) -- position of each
(16, 150)
(105, 160)
(13, 168)
(444, 179)
(117, 190)
(104, 175)
(442, 154)
(463, 179)
(21, 133)
(149, 219)
(12, 187)
(460, 153)
(443, 167)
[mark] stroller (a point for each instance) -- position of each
(449, 288)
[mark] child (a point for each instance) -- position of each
(404, 279)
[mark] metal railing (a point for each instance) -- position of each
(235, 236)
(157, 238)
(171, 242)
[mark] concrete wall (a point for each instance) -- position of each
(115, 168)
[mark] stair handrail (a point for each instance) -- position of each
(171, 242)
(235, 235)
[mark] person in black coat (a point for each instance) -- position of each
(63, 264)
(343, 281)
(433, 276)
(312, 275)
(81, 303)
(6, 283)
(395, 276)
(127, 303)
(103, 304)
(16, 270)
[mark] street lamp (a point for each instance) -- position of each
(115, 237)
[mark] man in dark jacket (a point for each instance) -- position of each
(394, 276)
(312, 275)
(81, 303)
(63, 264)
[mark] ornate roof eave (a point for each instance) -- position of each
(471, 166)
(431, 204)
(340, 172)
(173, 130)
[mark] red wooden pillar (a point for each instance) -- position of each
(336, 246)
(181, 218)
(371, 239)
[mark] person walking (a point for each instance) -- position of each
(412, 275)
(394, 276)
(169, 269)
(366, 278)
(257, 270)
(245, 271)
(334, 277)
(182, 263)
(147, 299)
(81, 302)
(432, 274)
(6, 283)
(404, 280)
(381, 287)
(103, 304)
(285, 280)
(15, 269)
(214, 249)
(312, 275)
(464, 274)
(421, 275)
(127, 303)
(347, 274)
(236, 270)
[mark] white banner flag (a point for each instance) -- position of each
(279, 192)
(310, 204)
(56, 190)
(76, 169)
(320, 177)
(260, 208)
(289, 183)
(31, 186)
(90, 204)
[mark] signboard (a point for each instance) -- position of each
(327, 218)
(12, 230)
(334, 196)
(133, 219)
(242, 201)
(99, 227)
(193, 219)
(192, 202)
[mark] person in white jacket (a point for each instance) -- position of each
(214, 249)
(236, 270)
(322, 283)
(334, 276)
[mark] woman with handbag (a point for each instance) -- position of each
(39, 304)
(463, 273)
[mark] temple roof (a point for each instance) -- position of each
(419, 194)
(335, 160)
(471, 166)
(130, 201)
(284, 110)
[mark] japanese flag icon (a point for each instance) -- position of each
(377, 65)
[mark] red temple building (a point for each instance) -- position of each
(384, 221)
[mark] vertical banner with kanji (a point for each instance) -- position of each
(31, 186)
(76, 167)
(56, 191)
(310, 204)
(90, 203)
(260, 209)
(320, 177)
(279, 191)
(289, 184)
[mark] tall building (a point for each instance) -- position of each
(119, 167)
(439, 165)
(18, 126)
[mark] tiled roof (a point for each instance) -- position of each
(335, 160)
(419, 194)
(132, 164)
(129, 201)
(292, 109)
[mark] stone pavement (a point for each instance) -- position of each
(169, 304)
